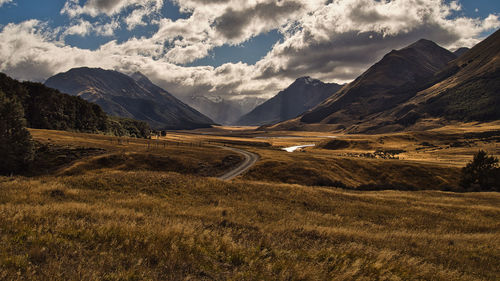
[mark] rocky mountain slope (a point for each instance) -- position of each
(419, 87)
(300, 96)
(132, 96)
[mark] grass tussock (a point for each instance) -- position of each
(145, 225)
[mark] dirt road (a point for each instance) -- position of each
(250, 159)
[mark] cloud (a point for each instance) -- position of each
(108, 7)
(245, 23)
(107, 29)
(334, 41)
(31, 52)
(340, 40)
(4, 2)
(83, 28)
(136, 18)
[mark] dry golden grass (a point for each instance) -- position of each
(176, 155)
(426, 160)
(118, 225)
(125, 215)
(310, 169)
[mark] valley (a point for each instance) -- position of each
(154, 209)
(249, 140)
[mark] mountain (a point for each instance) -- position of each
(47, 108)
(391, 81)
(460, 51)
(396, 78)
(466, 90)
(300, 96)
(469, 89)
(223, 111)
(416, 88)
(132, 96)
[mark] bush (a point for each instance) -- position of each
(16, 147)
(481, 174)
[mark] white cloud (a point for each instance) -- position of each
(83, 28)
(107, 29)
(136, 18)
(333, 42)
(4, 2)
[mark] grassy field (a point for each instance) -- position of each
(127, 212)
(175, 155)
(119, 225)
(405, 161)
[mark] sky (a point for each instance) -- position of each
(229, 48)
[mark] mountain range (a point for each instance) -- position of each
(132, 96)
(300, 96)
(418, 87)
(222, 111)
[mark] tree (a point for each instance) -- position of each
(482, 173)
(16, 147)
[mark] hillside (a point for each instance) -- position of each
(300, 96)
(390, 82)
(47, 108)
(460, 51)
(465, 90)
(471, 93)
(419, 87)
(132, 97)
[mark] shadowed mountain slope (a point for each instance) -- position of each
(470, 90)
(47, 108)
(132, 96)
(460, 51)
(300, 96)
(419, 87)
(391, 81)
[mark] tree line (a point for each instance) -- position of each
(34, 105)
(47, 108)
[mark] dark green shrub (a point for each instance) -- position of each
(481, 174)
(16, 147)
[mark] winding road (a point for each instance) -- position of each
(250, 160)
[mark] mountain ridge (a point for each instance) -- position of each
(221, 110)
(132, 96)
(418, 87)
(385, 84)
(303, 94)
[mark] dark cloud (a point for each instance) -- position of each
(211, 1)
(233, 23)
(347, 54)
(360, 13)
(106, 5)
